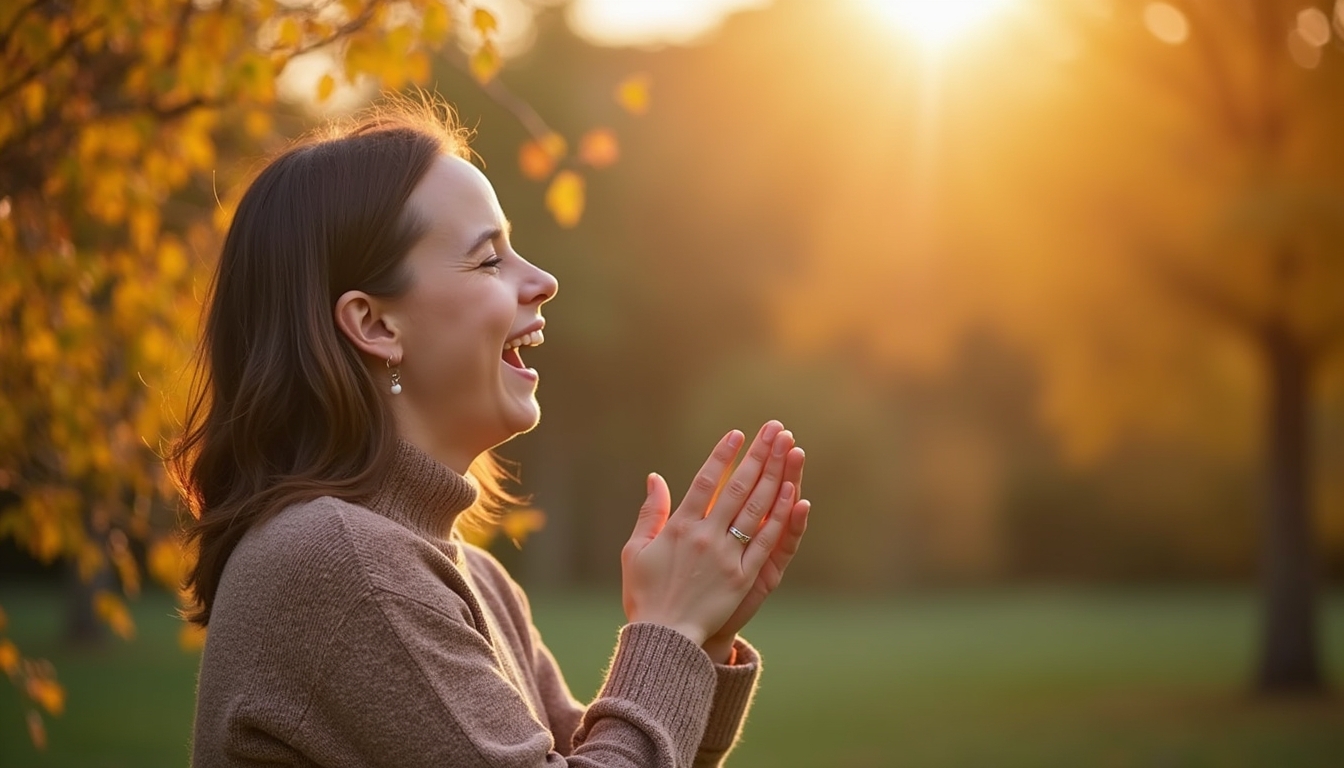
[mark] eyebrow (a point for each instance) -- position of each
(489, 235)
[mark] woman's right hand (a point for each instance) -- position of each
(684, 569)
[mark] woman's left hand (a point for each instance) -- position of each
(719, 646)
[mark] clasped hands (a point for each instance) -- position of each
(686, 570)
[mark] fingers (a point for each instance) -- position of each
(652, 514)
(762, 545)
(758, 503)
(793, 469)
(707, 480)
(745, 478)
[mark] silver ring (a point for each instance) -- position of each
(740, 536)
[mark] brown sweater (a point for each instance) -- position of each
(347, 635)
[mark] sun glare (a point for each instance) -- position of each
(936, 23)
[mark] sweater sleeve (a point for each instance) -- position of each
(733, 691)
(734, 688)
(413, 685)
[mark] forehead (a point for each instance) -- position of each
(456, 201)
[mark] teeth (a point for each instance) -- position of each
(526, 340)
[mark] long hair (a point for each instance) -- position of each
(282, 408)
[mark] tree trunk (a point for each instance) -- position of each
(1289, 656)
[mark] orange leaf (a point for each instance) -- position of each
(565, 198)
(534, 161)
(599, 148)
(485, 63)
(484, 21)
(47, 693)
(633, 93)
(9, 657)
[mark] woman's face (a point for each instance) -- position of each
(471, 298)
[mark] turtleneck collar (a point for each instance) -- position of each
(421, 493)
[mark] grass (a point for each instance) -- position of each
(996, 679)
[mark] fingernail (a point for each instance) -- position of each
(648, 483)
(735, 439)
(782, 445)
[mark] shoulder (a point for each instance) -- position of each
(329, 547)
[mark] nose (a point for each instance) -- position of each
(540, 287)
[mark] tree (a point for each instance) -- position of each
(111, 120)
(1151, 204)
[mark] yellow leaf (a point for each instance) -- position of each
(34, 97)
(518, 523)
(36, 732)
(112, 610)
(47, 693)
(633, 93)
(484, 22)
(325, 86)
(485, 63)
(257, 123)
(435, 22)
(599, 148)
(289, 34)
(191, 638)
(9, 657)
(166, 562)
(565, 198)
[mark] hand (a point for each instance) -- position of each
(684, 569)
(720, 645)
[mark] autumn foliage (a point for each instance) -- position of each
(113, 120)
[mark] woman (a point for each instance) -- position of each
(361, 356)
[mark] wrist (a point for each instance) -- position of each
(721, 650)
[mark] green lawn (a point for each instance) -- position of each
(1003, 678)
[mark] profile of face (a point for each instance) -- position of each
(459, 332)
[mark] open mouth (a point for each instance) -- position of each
(512, 348)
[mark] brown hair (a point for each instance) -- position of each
(283, 409)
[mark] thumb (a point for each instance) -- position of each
(653, 513)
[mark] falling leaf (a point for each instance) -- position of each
(565, 198)
(599, 148)
(633, 93)
(485, 63)
(484, 21)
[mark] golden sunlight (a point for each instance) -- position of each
(936, 23)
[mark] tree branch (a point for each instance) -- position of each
(26, 9)
(39, 67)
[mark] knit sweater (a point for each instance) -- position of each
(361, 635)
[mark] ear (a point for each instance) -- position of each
(364, 321)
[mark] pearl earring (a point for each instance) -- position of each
(396, 378)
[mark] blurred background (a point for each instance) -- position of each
(1051, 291)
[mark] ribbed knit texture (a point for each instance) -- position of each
(349, 635)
